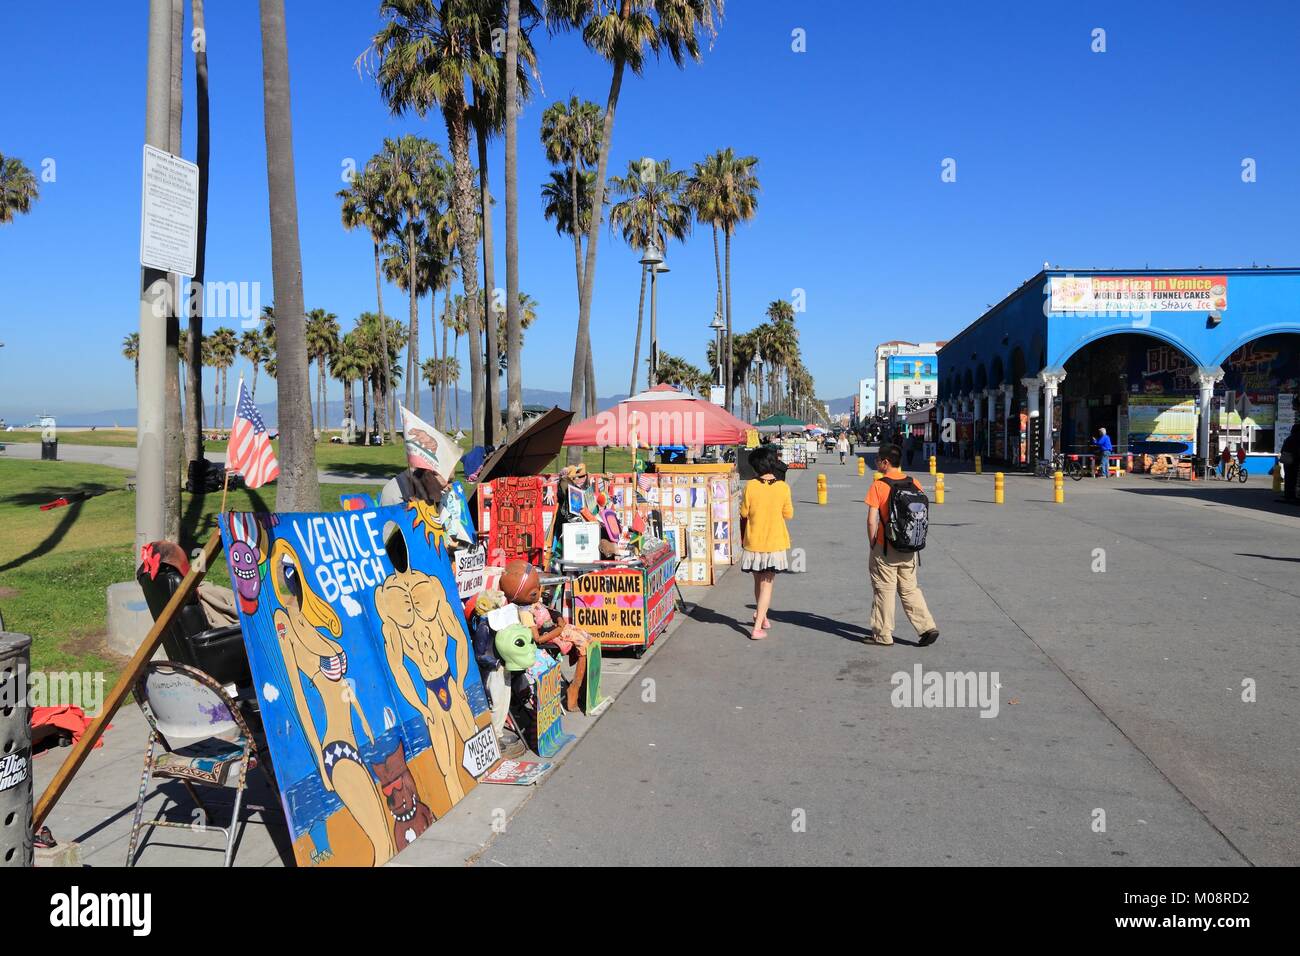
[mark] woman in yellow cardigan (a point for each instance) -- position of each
(765, 509)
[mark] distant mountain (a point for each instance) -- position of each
(125, 417)
(841, 406)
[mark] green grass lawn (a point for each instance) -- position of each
(55, 566)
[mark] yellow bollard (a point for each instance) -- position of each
(938, 489)
(979, 465)
(821, 489)
(934, 466)
(862, 466)
(1058, 481)
(1277, 477)
(998, 492)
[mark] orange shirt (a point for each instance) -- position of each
(878, 496)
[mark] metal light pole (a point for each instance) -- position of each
(717, 325)
(654, 259)
(151, 406)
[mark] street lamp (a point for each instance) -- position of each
(653, 258)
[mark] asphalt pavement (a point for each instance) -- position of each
(1140, 640)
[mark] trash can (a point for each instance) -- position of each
(49, 439)
(15, 752)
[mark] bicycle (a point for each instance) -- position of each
(1069, 465)
(1235, 470)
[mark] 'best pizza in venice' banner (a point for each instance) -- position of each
(1103, 294)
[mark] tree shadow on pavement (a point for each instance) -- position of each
(1266, 557)
(1258, 498)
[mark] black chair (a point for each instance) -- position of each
(217, 651)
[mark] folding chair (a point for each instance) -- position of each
(205, 741)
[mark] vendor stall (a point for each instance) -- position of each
(624, 603)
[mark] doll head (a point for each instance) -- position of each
(521, 583)
(515, 646)
(488, 601)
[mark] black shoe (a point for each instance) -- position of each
(929, 637)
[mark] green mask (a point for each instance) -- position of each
(515, 646)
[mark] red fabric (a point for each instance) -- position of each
(673, 421)
(72, 719)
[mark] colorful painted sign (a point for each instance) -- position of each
(592, 698)
(374, 711)
(1103, 294)
(551, 737)
(610, 606)
(471, 567)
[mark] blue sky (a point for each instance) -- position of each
(1124, 158)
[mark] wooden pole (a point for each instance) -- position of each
(225, 483)
(117, 696)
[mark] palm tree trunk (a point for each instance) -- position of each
(491, 411)
(383, 324)
(253, 390)
(463, 208)
(365, 411)
(444, 380)
(298, 488)
(727, 356)
(194, 344)
(413, 332)
(583, 341)
(636, 348)
(514, 322)
(455, 351)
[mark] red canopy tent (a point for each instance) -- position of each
(661, 416)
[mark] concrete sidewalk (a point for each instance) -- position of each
(1120, 737)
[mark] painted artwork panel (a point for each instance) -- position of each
(362, 664)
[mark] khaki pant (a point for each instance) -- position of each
(889, 573)
(218, 605)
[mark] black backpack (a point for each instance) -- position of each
(907, 516)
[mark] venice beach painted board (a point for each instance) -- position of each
(375, 714)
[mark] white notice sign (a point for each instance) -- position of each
(169, 213)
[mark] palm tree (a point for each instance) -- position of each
(131, 352)
(571, 138)
(322, 341)
(365, 206)
(253, 347)
(18, 189)
(426, 52)
(347, 365)
(623, 34)
(298, 488)
(676, 371)
(413, 178)
(224, 346)
(723, 191)
(650, 208)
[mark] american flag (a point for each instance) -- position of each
(250, 449)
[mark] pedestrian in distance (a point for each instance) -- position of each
(843, 446)
(1104, 448)
(765, 540)
(898, 518)
(912, 444)
(1289, 462)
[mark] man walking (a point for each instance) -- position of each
(893, 565)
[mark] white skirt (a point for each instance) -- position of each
(764, 560)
